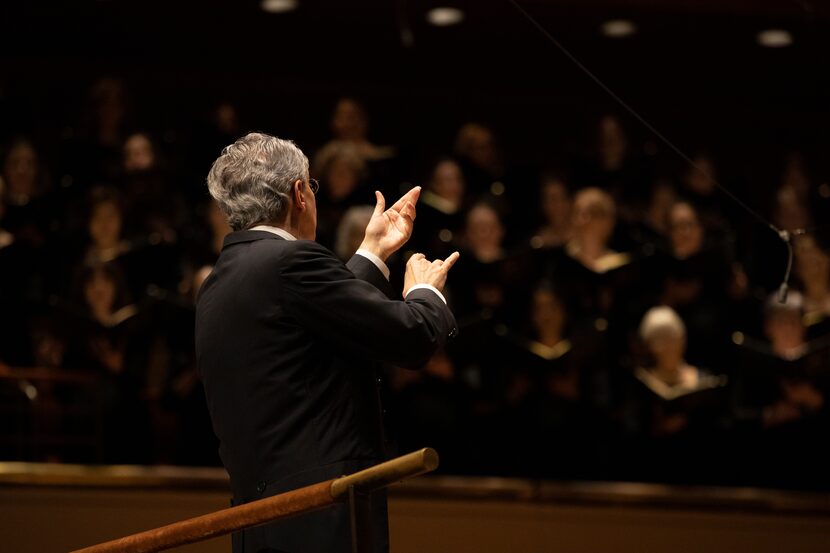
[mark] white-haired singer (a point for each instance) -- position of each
(289, 340)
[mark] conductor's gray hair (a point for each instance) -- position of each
(252, 179)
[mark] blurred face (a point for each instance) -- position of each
(610, 130)
(348, 121)
(812, 263)
(484, 230)
(699, 181)
(795, 175)
(109, 99)
(105, 224)
(612, 141)
(556, 203)
(547, 311)
(790, 211)
(448, 181)
(480, 147)
(356, 234)
(592, 217)
(100, 291)
(668, 347)
(685, 230)
(138, 153)
(662, 200)
(21, 170)
(785, 330)
(341, 179)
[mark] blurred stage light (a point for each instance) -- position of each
(618, 28)
(775, 38)
(278, 6)
(444, 17)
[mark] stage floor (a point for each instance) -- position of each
(59, 508)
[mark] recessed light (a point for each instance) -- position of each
(444, 17)
(278, 6)
(775, 38)
(618, 28)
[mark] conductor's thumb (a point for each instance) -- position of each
(380, 206)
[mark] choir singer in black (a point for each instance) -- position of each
(289, 340)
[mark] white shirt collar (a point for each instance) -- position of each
(276, 230)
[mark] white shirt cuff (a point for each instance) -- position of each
(376, 260)
(427, 287)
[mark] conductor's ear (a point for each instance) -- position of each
(297, 192)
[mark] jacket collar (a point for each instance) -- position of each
(249, 236)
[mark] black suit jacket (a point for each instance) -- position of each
(288, 342)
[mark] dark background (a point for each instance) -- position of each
(694, 71)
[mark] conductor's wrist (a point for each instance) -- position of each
(375, 248)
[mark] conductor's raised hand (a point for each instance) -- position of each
(420, 270)
(389, 229)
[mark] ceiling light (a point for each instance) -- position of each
(618, 28)
(278, 6)
(775, 38)
(444, 17)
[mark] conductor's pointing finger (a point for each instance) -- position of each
(450, 261)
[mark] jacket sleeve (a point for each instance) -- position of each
(364, 269)
(327, 299)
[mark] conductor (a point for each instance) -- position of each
(289, 340)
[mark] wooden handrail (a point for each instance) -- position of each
(382, 475)
(303, 500)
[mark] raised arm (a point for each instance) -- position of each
(338, 308)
